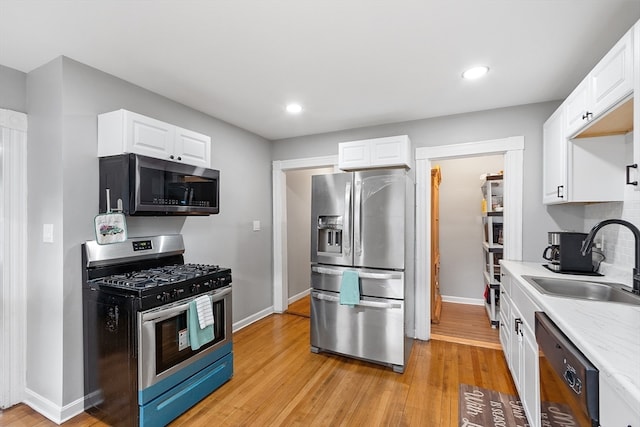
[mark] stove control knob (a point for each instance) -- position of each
(176, 293)
(164, 297)
(195, 288)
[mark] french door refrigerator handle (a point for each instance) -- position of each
(357, 218)
(362, 275)
(347, 220)
(361, 303)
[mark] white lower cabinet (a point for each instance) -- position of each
(519, 345)
(614, 411)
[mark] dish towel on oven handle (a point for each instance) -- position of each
(198, 336)
(205, 312)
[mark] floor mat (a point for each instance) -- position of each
(480, 407)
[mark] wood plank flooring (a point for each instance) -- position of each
(465, 324)
(279, 382)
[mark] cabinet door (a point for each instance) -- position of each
(612, 79)
(634, 173)
(504, 328)
(392, 151)
(577, 108)
(192, 148)
(354, 155)
(614, 409)
(147, 136)
(530, 387)
(554, 159)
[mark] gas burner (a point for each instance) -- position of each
(159, 276)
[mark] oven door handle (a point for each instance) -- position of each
(163, 314)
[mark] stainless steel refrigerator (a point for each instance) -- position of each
(364, 221)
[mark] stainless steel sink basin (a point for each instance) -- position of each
(584, 289)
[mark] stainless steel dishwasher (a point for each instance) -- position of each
(569, 386)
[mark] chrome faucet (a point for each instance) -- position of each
(636, 234)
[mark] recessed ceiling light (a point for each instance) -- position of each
(294, 108)
(475, 72)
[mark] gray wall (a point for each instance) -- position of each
(13, 89)
(298, 228)
(525, 120)
(461, 225)
(64, 98)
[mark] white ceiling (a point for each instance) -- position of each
(350, 63)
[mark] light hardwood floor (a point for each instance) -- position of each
(465, 324)
(279, 382)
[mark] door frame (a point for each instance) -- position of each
(279, 185)
(13, 253)
(512, 148)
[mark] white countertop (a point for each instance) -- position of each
(607, 333)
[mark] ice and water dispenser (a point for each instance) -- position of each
(330, 234)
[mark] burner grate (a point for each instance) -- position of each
(159, 276)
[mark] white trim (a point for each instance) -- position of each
(299, 296)
(463, 300)
(57, 414)
(280, 167)
(13, 255)
(13, 120)
(251, 319)
(512, 148)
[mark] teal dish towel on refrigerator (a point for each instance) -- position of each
(197, 336)
(350, 288)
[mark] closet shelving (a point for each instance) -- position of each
(492, 246)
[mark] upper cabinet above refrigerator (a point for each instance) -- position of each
(392, 151)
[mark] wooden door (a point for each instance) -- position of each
(436, 298)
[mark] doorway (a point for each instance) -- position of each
(462, 279)
(299, 237)
(280, 223)
(426, 157)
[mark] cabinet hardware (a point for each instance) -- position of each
(587, 116)
(629, 167)
(560, 196)
(518, 323)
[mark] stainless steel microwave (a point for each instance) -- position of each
(154, 187)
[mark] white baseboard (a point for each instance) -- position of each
(299, 296)
(252, 319)
(462, 300)
(47, 408)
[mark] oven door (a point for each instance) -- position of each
(164, 347)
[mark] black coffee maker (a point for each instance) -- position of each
(564, 253)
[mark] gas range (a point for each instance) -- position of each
(151, 269)
(146, 357)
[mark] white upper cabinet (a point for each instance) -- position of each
(192, 148)
(554, 161)
(393, 151)
(576, 108)
(123, 131)
(610, 81)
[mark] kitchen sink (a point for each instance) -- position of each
(584, 289)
